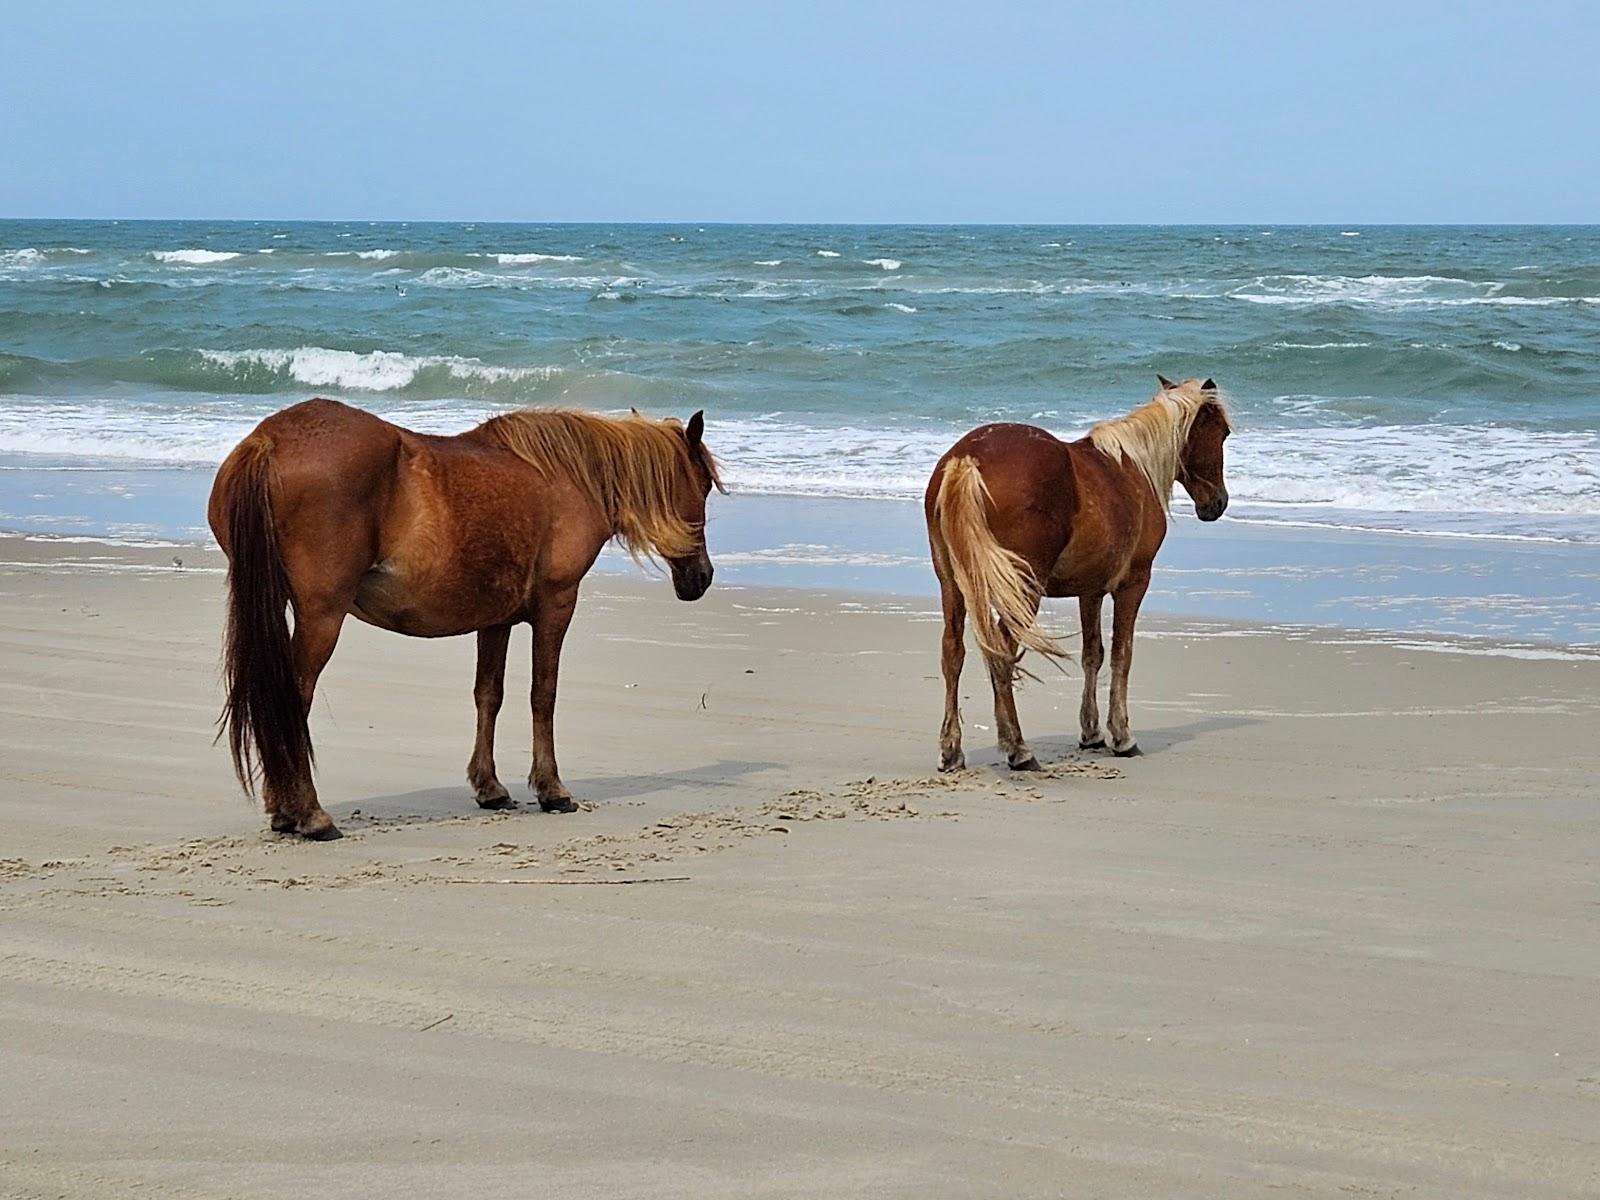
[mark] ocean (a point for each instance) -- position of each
(1435, 383)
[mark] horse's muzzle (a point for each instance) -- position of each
(1214, 507)
(691, 582)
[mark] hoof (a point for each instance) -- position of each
(503, 800)
(558, 804)
(1132, 751)
(1097, 744)
(1028, 764)
(281, 823)
(327, 833)
(949, 765)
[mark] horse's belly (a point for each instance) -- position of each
(390, 599)
(1080, 573)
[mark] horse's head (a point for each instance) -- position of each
(1200, 461)
(691, 572)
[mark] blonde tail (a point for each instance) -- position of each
(1001, 590)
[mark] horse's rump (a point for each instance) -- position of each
(1002, 591)
(262, 716)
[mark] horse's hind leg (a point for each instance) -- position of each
(487, 693)
(953, 654)
(1003, 675)
(296, 809)
(1124, 613)
(1094, 655)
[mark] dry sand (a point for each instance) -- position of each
(1336, 934)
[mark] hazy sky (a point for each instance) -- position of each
(751, 111)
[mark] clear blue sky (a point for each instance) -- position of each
(990, 111)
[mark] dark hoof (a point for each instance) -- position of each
(559, 804)
(1028, 764)
(1132, 751)
(281, 824)
(328, 833)
(496, 802)
(948, 766)
(1097, 744)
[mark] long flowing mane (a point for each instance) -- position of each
(1153, 435)
(627, 466)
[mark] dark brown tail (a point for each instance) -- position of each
(266, 725)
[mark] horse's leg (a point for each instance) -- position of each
(551, 616)
(953, 655)
(1094, 654)
(297, 809)
(1002, 675)
(1124, 612)
(487, 692)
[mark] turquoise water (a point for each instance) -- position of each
(1422, 381)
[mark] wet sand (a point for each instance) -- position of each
(1335, 934)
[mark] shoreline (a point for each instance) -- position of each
(1477, 593)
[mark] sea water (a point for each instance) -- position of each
(1410, 382)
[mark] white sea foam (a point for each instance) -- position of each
(1383, 291)
(888, 264)
(1319, 345)
(511, 260)
(193, 258)
(375, 371)
(376, 254)
(898, 307)
(1460, 479)
(769, 262)
(827, 254)
(32, 256)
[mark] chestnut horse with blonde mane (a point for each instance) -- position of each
(1015, 514)
(328, 511)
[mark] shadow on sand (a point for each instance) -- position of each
(452, 803)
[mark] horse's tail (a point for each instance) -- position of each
(268, 734)
(1001, 589)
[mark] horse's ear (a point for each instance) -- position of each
(1209, 385)
(1166, 384)
(696, 429)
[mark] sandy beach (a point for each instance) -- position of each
(1334, 935)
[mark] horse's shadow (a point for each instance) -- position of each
(1151, 740)
(426, 805)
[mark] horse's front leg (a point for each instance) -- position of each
(487, 693)
(552, 615)
(1124, 613)
(1094, 656)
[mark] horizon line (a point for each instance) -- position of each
(687, 222)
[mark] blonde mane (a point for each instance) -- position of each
(627, 466)
(1153, 435)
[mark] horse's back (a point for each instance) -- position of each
(1022, 465)
(1117, 529)
(1028, 475)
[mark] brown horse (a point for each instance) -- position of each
(330, 512)
(1015, 514)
